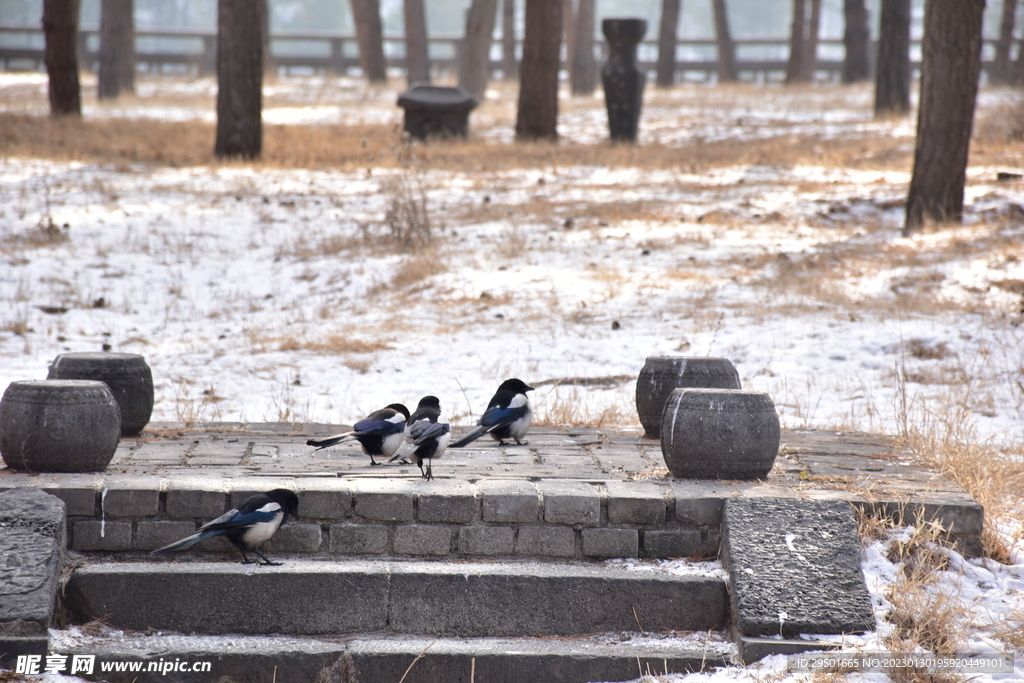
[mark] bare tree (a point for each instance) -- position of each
(666, 67)
(583, 74)
(809, 62)
(417, 57)
(727, 72)
(475, 59)
(60, 29)
(509, 63)
(950, 66)
(1002, 70)
(857, 40)
(537, 117)
(370, 36)
(892, 73)
(239, 79)
(797, 42)
(117, 49)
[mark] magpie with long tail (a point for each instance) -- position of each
(426, 435)
(381, 433)
(508, 415)
(247, 526)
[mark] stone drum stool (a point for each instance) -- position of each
(719, 434)
(623, 80)
(434, 111)
(127, 375)
(661, 375)
(58, 425)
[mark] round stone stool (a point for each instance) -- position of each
(719, 434)
(127, 375)
(661, 375)
(58, 425)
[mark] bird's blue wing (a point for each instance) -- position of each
(381, 427)
(239, 519)
(420, 431)
(499, 417)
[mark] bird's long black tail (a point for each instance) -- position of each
(469, 438)
(188, 541)
(328, 441)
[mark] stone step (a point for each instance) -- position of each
(374, 659)
(438, 599)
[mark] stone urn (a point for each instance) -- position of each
(58, 425)
(661, 375)
(127, 375)
(433, 111)
(719, 434)
(623, 79)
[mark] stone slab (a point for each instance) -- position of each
(794, 567)
(32, 540)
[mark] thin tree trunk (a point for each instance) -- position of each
(117, 49)
(667, 39)
(1002, 70)
(569, 33)
(857, 40)
(60, 28)
(583, 75)
(797, 42)
(537, 117)
(370, 36)
(892, 73)
(239, 79)
(475, 60)
(810, 57)
(269, 68)
(951, 64)
(727, 72)
(417, 57)
(509, 63)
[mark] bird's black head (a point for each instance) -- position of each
(399, 408)
(288, 501)
(515, 385)
(430, 402)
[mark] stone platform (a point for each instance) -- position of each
(575, 493)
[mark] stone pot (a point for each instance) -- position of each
(661, 375)
(58, 425)
(719, 434)
(622, 78)
(127, 375)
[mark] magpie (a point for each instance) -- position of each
(380, 433)
(247, 526)
(508, 415)
(426, 435)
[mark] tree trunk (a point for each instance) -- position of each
(797, 42)
(568, 33)
(370, 36)
(239, 79)
(810, 57)
(666, 68)
(1002, 70)
(727, 72)
(117, 49)
(950, 66)
(583, 75)
(892, 73)
(537, 117)
(475, 59)
(417, 57)
(60, 28)
(509, 63)
(856, 39)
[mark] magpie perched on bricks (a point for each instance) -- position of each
(380, 433)
(247, 526)
(426, 435)
(508, 415)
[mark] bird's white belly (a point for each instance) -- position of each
(260, 533)
(391, 444)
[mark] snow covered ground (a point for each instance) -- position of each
(262, 294)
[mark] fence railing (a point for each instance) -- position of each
(195, 51)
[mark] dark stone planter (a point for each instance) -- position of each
(436, 112)
(58, 425)
(623, 80)
(719, 434)
(127, 375)
(661, 375)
